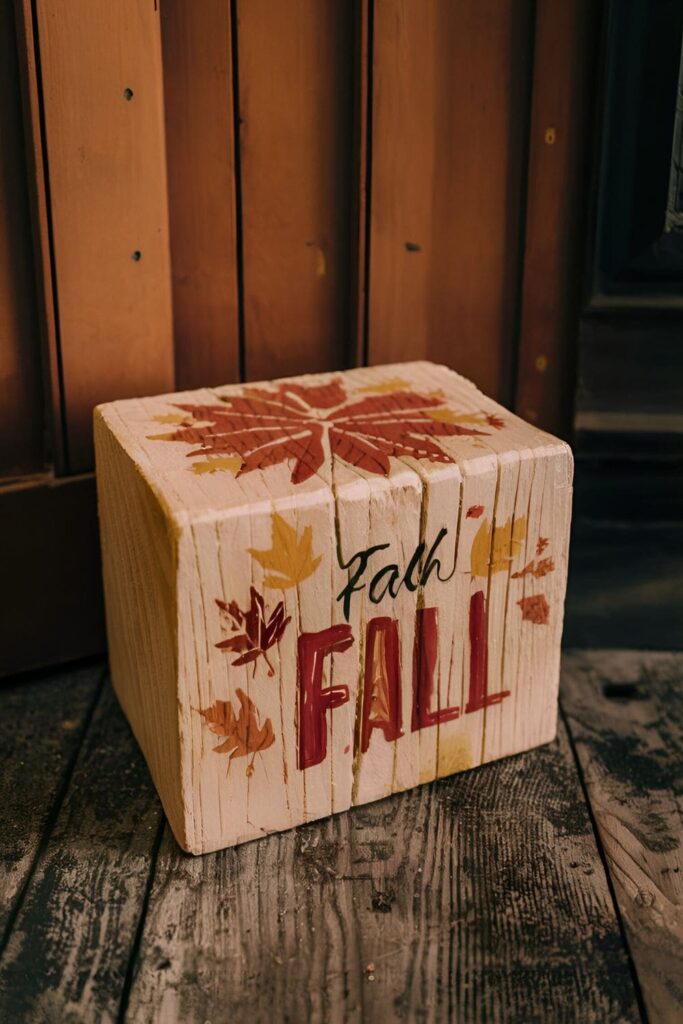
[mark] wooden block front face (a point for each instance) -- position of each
(369, 581)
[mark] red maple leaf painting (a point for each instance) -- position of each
(259, 633)
(299, 423)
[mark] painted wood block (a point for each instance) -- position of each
(325, 590)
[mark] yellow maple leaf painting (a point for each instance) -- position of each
(229, 463)
(494, 550)
(290, 556)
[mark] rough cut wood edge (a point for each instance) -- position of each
(139, 565)
(71, 943)
(624, 710)
(479, 898)
(41, 727)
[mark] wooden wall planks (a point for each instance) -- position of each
(21, 399)
(295, 107)
(310, 185)
(561, 122)
(360, 176)
(426, 104)
(198, 99)
(107, 188)
(450, 99)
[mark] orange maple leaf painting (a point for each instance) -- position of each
(298, 423)
(536, 569)
(242, 733)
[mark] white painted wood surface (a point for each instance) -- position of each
(220, 508)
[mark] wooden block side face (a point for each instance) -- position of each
(334, 652)
(357, 616)
(139, 568)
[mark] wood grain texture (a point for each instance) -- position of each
(198, 103)
(561, 126)
(624, 712)
(448, 142)
(362, 120)
(21, 398)
(69, 949)
(143, 618)
(296, 112)
(108, 204)
(51, 608)
(478, 898)
(422, 636)
(42, 722)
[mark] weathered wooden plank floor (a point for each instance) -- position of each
(543, 888)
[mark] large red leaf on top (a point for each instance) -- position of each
(288, 423)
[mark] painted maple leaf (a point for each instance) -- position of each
(495, 547)
(290, 556)
(536, 569)
(259, 633)
(242, 733)
(301, 422)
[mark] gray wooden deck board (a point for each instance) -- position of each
(625, 712)
(41, 729)
(73, 937)
(478, 898)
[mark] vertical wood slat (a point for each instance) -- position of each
(564, 69)
(362, 115)
(21, 418)
(40, 219)
(198, 100)
(449, 130)
(295, 104)
(108, 204)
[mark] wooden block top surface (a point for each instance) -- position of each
(213, 452)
